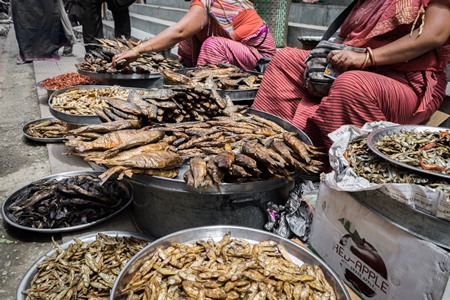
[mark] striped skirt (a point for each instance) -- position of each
(244, 53)
(356, 97)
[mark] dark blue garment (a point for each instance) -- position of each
(37, 24)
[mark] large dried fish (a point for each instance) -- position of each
(107, 127)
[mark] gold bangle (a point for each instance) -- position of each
(372, 57)
(135, 51)
(363, 66)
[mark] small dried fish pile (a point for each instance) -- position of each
(82, 101)
(99, 59)
(238, 148)
(178, 104)
(375, 169)
(68, 79)
(428, 150)
(47, 129)
(69, 201)
(222, 76)
(231, 268)
(84, 270)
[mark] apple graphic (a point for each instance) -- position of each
(366, 253)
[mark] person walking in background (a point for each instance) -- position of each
(228, 31)
(39, 29)
(92, 21)
(74, 11)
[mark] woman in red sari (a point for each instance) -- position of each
(402, 81)
(212, 31)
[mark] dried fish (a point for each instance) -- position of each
(83, 270)
(69, 201)
(225, 269)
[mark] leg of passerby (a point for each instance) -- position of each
(92, 21)
(122, 23)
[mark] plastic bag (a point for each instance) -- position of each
(294, 219)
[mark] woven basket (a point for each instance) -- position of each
(275, 13)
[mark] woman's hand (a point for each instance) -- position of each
(129, 56)
(344, 60)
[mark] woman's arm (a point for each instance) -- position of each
(194, 20)
(435, 32)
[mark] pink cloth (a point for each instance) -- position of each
(216, 49)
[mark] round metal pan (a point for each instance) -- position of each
(89, 238)
(297, 253)
(378, 134)
(49, 91)
(37, 139)
(417, 223)
(119, 76)
(178, 183)
(78, 119)
(235, 95)
(9, 199)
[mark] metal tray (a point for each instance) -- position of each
(178, 183)
(378, 134)
(235, 95)
(9, 199)
(79, 119)
(297, 253)
(49, 91)
(43, 140)
(89, 238)
(119, 76)
(417, 223)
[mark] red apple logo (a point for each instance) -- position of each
(367, 254)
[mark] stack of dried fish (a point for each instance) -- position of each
(237, 148)
(428, 150)
(226, 269)
(98, 59)
(70, 201)
(47, 129)
(84, 270)
(142, 151)
(178, 104)
(222, 76)
(375, 169)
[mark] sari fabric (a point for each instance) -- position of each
(407, 93)
(215, 42)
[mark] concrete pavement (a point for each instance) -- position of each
(23, 161)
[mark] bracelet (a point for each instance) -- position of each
(363, 66)
(143, 48)
(151, 50)
(372, 57)
(135, 51)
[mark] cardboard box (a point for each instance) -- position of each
(374, 257)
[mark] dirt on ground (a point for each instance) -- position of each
(21, 161)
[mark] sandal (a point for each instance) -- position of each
(21, 61)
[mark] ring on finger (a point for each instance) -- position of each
(340, 62)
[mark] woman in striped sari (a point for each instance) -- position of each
(212, 31)
(400, 79)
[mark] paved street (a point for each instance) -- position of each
(23, 161)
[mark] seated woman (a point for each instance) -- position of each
(404, 81)
(212, 31)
